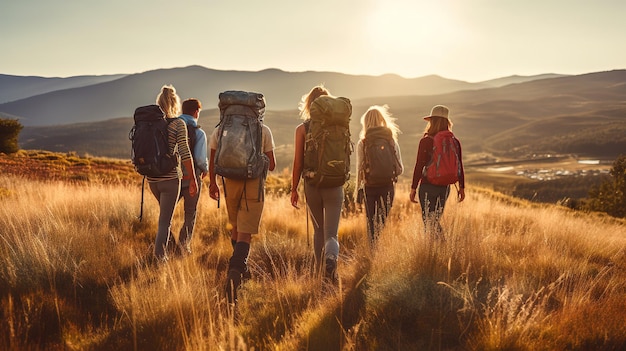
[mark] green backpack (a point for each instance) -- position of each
(328, 147)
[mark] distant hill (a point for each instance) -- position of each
(500, 82)
(581, 114)
(584, 114)
(19, 87)
(536, 115)
(104, 138)
(283, 90)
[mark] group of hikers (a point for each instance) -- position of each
(240, 151)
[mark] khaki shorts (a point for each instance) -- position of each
(243, 204)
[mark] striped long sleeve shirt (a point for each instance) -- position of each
(179, 145)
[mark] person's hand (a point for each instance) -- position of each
(412, 195)
(461, 194)
(214, 191)
(294, 198)
(193, 187)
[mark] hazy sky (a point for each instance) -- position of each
(471, 40)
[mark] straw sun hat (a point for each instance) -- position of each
(438, 111)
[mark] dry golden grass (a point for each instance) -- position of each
(77, 273)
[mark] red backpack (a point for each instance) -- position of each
(445, 164)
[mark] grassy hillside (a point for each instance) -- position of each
(77, 273)
(45, 165)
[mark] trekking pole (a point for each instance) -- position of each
(143, 182)
(307, 214)
(308, 238)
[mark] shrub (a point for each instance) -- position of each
(610, 196)
(9, 131)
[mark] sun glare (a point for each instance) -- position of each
(410, 29)
(401, 24)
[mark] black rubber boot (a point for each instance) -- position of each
(246, 275)
(233, 280)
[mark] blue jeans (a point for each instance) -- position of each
(433, 200)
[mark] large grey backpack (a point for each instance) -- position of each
(239, 153)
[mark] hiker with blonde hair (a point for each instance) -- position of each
(166, 188)
(379, 163)
(324, 200)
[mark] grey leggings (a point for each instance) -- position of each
(166, 192)
(325, 207)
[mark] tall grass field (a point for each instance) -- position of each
(77, 273)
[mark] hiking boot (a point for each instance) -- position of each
(185, 249)
(233, 280)
(233, 312)
(246, 275)
(173, 249)
(330, 271)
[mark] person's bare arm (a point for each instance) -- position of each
(298, 164)
(270, 155)
(214, 190)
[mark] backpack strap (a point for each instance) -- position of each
(224, 186)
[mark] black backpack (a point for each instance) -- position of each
(239, 153)
(380, 165)
(150, 149)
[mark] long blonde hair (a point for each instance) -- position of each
(379, 116)
(307, 99)
(169, 101)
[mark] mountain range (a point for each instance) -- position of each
(512, 116)
(19, 87)
(55, 101)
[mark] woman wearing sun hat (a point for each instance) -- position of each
(432, 197)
